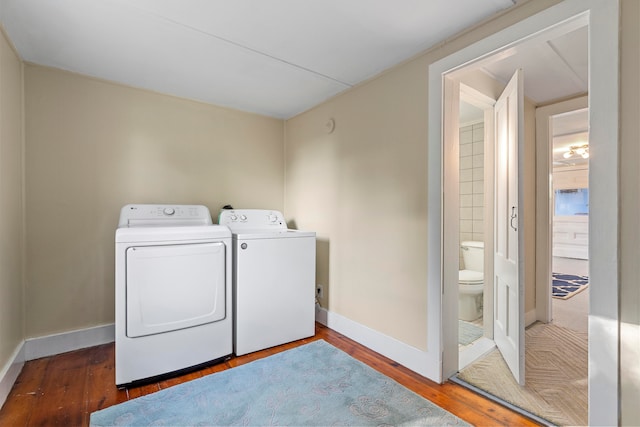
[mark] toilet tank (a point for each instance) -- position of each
(473, 255)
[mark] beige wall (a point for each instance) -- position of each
(11, 203)
(92, 147)
(363, 189)
(630, 213)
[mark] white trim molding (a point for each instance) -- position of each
(410, 357)
(530, 317)
(50, 345)
(10, 371)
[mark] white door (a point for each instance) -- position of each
(508, 286)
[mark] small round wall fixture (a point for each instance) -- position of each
(330, 125)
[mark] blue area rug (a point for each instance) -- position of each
(567, 285)
(312, 385)
(468, 332)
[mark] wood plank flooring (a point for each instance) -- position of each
(63, 390)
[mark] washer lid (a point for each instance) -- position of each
(271, 234)
(180, 233)
(259, 224)
(470, 276)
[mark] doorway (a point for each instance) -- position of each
(570, 219)
(603, 62)
(502, 372)
(475, 309)
(555, 389)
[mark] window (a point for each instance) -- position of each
(571, 202)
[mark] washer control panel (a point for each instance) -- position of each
(164, 215)
(254, 219)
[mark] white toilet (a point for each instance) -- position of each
(471, 281)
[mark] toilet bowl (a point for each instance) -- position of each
(471, 281)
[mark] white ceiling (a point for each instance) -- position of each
(553, 69)
(273, 57)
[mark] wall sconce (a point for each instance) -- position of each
(577, 150)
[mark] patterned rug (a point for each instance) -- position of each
(556, 375)
(312, 385)
(567, 285)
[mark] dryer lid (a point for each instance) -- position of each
(192, 234)
(164, 216)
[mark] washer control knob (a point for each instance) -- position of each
(243, 217)
(168, 211)
(234, 217)
(273, 218)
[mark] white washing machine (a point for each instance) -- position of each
(273, 279)
(173, 291)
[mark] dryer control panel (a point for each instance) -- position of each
(252, 219)
(164, 215)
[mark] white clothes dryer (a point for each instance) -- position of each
(173, 289)
(274, 272)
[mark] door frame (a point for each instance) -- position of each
(603, 20)
(544, 201)
(486, 104)
(454, 93)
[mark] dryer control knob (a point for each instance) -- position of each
(243, 217)
(234, 218)
(169, 211)
(273, 218)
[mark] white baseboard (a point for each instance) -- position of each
(321, 315)
(10, 372)
(49, 345)
(419, 361)
(35, 348)
(530, 317)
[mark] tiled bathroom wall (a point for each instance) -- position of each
(471, 183)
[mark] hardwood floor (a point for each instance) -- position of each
(64, 389)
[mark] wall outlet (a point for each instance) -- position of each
(320, 291)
